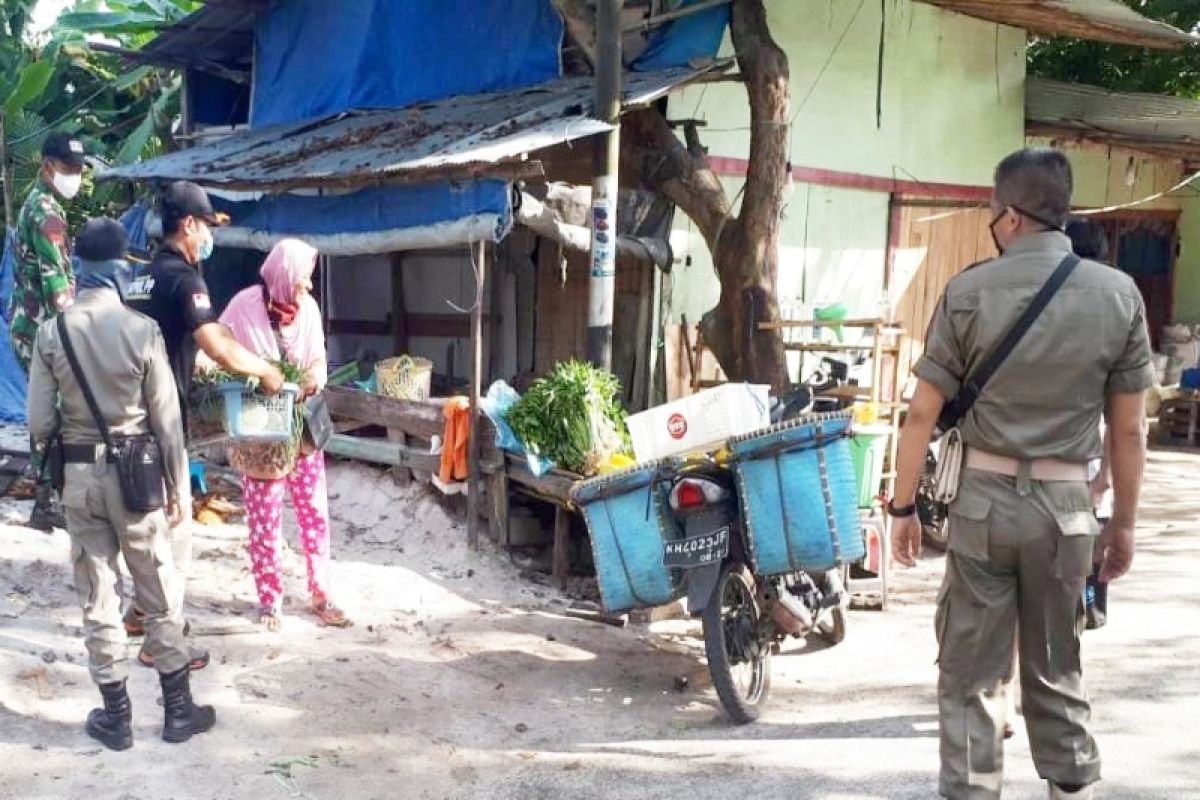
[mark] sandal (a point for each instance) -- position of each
(271, 620)
(197, 659)
(329, 614)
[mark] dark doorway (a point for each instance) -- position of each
(1144, 245)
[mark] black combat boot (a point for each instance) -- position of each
(184, 719)
(111, 725)
(47, 514)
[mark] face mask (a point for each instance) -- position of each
(205, 250)
(992, 231)
(67, 185)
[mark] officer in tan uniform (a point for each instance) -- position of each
(1021, 528)
(124, 361)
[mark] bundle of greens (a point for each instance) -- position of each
(572, 417)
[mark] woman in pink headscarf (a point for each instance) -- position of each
(279, 319)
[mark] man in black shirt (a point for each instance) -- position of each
(175, 295)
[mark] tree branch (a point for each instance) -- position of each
(653, 154)
(764, 66)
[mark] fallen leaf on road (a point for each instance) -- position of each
(522, 728)
(527, 756)
(574, 766)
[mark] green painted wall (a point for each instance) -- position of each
(1187, 268)
(952, 107)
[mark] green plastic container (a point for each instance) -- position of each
(868, 451)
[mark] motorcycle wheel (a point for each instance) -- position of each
(740, 665)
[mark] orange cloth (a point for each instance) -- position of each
(454, 441)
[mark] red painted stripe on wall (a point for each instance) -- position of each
(736, 168)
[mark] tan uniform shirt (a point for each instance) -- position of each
(1047, 399)
(123, 357)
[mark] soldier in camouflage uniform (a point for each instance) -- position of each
(44, 284)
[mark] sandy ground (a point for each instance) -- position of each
(461, 680)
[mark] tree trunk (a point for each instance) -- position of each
(745, 248)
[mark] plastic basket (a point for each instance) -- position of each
(628, 522)
(254, 417)
(404, 377)
(799, 495)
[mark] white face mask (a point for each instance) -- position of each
(67, 185)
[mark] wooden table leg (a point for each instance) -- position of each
(498, 486)
(562, 541)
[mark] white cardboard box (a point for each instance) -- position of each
(701, 421)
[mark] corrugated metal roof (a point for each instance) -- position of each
(216, 34)
(456, 137)
(1100, 20)
(1159, 123)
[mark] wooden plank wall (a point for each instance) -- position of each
(562, 306)
(949, 239)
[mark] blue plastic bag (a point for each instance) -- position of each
(499, 399)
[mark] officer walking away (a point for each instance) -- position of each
(1022, 532)
(1090, 240)
(121, 355)
(175, 295)
(43, 285)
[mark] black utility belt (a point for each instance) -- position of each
(82, 453)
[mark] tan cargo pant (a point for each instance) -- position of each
(1019, 553)
(101, 530)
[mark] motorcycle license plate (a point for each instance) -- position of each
(697, 551)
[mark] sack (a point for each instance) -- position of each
(318, 424)
(138, 461)
(263, 461)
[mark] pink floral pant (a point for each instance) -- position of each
(264, 513)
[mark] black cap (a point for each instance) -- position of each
(65, 148)
(185, 199)
(102, 239)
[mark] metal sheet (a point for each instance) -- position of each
(1099, 20)
(1089, 112)
(466, 135)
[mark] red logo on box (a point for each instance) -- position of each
(677, 426)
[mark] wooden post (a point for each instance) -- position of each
(606, 160)
(4, 172)
(498, 485)
(562, 540)
(402, 475)
(474, 480)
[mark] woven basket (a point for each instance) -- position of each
(404, 377)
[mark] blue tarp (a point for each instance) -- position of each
(679, 42)
(13, 385)
(316, 57)
(134, 222)
(371, 210)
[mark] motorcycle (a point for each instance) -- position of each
(746, 617)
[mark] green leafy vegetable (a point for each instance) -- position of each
(572, 417)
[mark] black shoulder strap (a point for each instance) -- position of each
(83, 384)
(973, 386)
